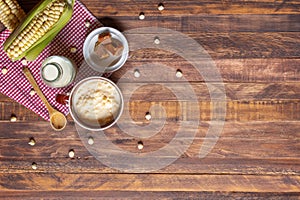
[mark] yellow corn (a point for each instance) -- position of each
(11, 14)
(38, 28)
(39, 25)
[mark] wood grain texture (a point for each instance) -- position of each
(243, 148)
(136, 195)
(255, 48)
(236, 110)
(231, 45)
(190, 7)
(149, 182)
(176, 8)
(210, 23)
(259, 70)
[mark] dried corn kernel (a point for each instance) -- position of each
(156, 40)
(4, 70)
(34, 166)
(32, 92)
(24, 62)
(91, 141)
(73, 50)
(13, 118)
(137, 73)
(160, 7)
(140, 145)
(87, 24)
(142, 16)
(178, 73)
(31, 142)
(148, 116)
(71, 153)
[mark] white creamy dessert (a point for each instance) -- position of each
(96, 102)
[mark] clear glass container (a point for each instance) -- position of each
(100, 65)
(58, 71)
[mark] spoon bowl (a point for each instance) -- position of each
(58, 121)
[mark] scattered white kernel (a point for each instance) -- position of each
(178, 73)
(142, 16)
(91, 141)
(156, 40)
(140, 145)
(148, 116)
(13, 118)
(32, 92)
(160, 7)
(4, 70)
(71, 153)
(87, 24)
(24, 62)
(73, 50)
(34, 166)
(31, 142)
(137, 73)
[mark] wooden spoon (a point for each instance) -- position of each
(58, 120)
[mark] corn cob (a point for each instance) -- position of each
(11, 13)
(37, 30)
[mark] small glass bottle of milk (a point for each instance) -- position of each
(58, 71)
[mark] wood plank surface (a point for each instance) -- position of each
(150, 182)
(251, 70)
(147, 195)
(212, 23)
(255, 46)
(190, 7)
(242, 148)
(186, 7)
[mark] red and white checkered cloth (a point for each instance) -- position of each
(15, 85)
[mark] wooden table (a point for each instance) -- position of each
(256, 48)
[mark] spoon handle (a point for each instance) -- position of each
(37, 89)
